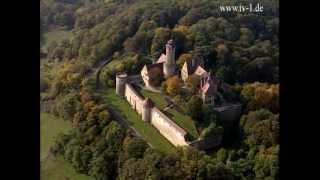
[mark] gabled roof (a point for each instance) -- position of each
(200, 71)
(152, 68)
(162, 58)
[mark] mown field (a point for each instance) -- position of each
(53, 168)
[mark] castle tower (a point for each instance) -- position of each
(169, 66)
(146, 112)
(121, 79)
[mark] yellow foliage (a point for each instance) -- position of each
(173, 85)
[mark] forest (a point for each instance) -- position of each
(241, 49)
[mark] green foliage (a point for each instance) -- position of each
(44, 85)
(194, 107)
(68, 106)
(222, 155)
(161, 36)
(237, 48)
(135, 148)
(261, 95)
(261, 127)
(212, 131)
(182, 59)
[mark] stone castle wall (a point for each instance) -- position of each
(168, 128)
(172, 132)
(133, 98)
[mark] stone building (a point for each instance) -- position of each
(164, 67)
(208, 85)
(189, 67)
(169, 66)
(121, 79)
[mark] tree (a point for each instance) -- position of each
(225, 74)
(162, 35)
(133, 169)
(261, 95)
(212, 131)
(44, 85)
(194, 107)
(261, 128)
(183, 58)
(192, 83)
(222, 155)
(173, 85)
(246, 37)
(135, 148)
(68, 106)
(103, 167)
(140, 43)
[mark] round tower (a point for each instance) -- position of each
(146, 112)
(121, 79)
(169, 66)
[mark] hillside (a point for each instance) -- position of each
(240, 49)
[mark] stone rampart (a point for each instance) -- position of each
(172, 132)
(168, 128)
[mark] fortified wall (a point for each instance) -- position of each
(172, 132)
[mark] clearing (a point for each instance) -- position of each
(53, 168)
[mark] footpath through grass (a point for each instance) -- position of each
(182, 120)
(53, 168)
(149, 133)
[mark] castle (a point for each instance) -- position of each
(165, 67)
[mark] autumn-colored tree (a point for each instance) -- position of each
(173, 85)
(193, 82)
(261, 95)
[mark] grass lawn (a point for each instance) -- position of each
(56, 168)
(53, 168)
(50, 127)
(149, 133)
(155, 97)
(182, 120)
